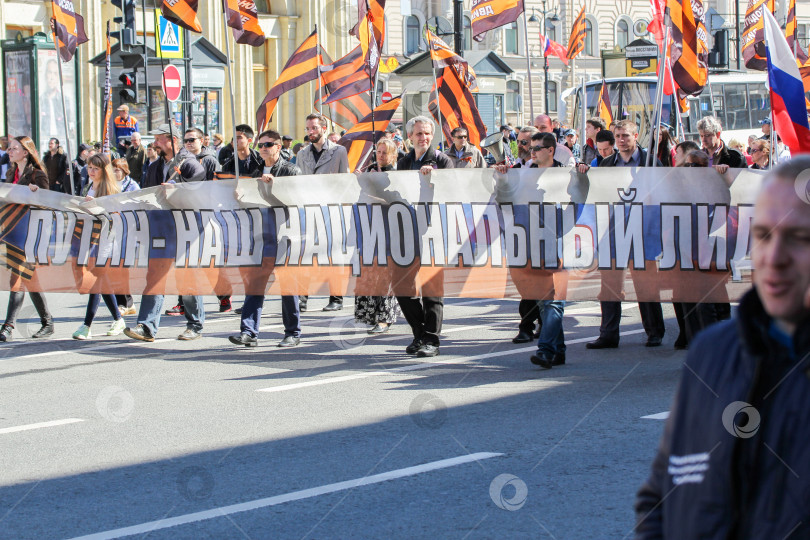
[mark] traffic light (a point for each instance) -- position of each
(127, 31)
(718, 56)
(129, 92)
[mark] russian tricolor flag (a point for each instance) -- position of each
(787, 91)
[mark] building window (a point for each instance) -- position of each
(622, 33)
(514, 100)
(468, 42)
(803, 35)
(263, 6)
(511, 38)
(412, 35)
(589, 41)
(551, 31)
(12, 30)
(552, 96)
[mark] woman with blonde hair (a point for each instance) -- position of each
(761, 155)
(26, 170)
(101, 182)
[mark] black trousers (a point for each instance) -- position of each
(529, 315)
(336, 299)
(652, 317)
(424, 315)
(692, 318)
(15, 301)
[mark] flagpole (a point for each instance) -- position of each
(320, 86)
(230, 87)
(64, 108)
(583, 114)
(528, 62)
(652, 159)
(158, 47)
(679, 131)
(435, 85)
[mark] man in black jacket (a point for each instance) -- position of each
(273, 166)
(193, 142)
(734, 461)
(719, 154)
(423, 315)
(249, 159)
(629, 154)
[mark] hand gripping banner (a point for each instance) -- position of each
(634, 234)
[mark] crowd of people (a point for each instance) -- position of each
(194, 156)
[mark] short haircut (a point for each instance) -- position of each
(319, 117)
(546, 139)
(271, 134)
(687, 146)
(459, 129)
(245, 130)
(605, 135)
(54, 139)
(627, 125)
(529, 129)
(596, 122)
(709, 124)
(122, 164)
(537, 136)
(196, 131)
(698, 156)
(418, 120)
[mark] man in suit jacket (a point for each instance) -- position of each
(321, 156)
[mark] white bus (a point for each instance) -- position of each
(739, 100)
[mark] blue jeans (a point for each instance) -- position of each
(252, 314)
(92, 307)
(552, 339)
(152, 306)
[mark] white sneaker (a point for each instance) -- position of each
(117, 327)
(82, 333)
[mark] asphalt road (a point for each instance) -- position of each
(345, 436)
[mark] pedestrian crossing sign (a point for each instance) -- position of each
(169, 38)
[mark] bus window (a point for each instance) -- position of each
(719, 103)
(737, 104)
(760, 103)
(637, 105)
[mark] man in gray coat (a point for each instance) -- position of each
(321, 156)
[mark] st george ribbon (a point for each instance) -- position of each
(614, 234)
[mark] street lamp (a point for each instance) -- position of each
(546, 20)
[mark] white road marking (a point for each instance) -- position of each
(423, 365)
(145, 528)
(659, 416)
(39, 425)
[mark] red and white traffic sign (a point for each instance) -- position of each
(171, 83)
(386, 97)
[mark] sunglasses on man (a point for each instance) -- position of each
(267, 144)
(538, 148)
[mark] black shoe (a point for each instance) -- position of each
(542, 360)
(333, 306)
(189, 334)
(302, 306)
(5, 332)
(523, 337)
(140, 332)
(225, 304)
(681, 343)
(415, 345)
(428, 350)
(558, 360)
(244, 339)
(289, 341)
(45, 332)
(176, 310)
(602, 343)
(653, 341)
(238, 311)
(379, 329)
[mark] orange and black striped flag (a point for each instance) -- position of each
(442, 56)
(243, 17)
(491, 14)
(345, 77)
(360, 140)
(753, 38)
(371, 34)
(346, 112)
(690, 52)
(457, 106)
(68, 27)
(576, 42)
(604, 107)
(790, 34)
(301, 68)
(182, 13)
